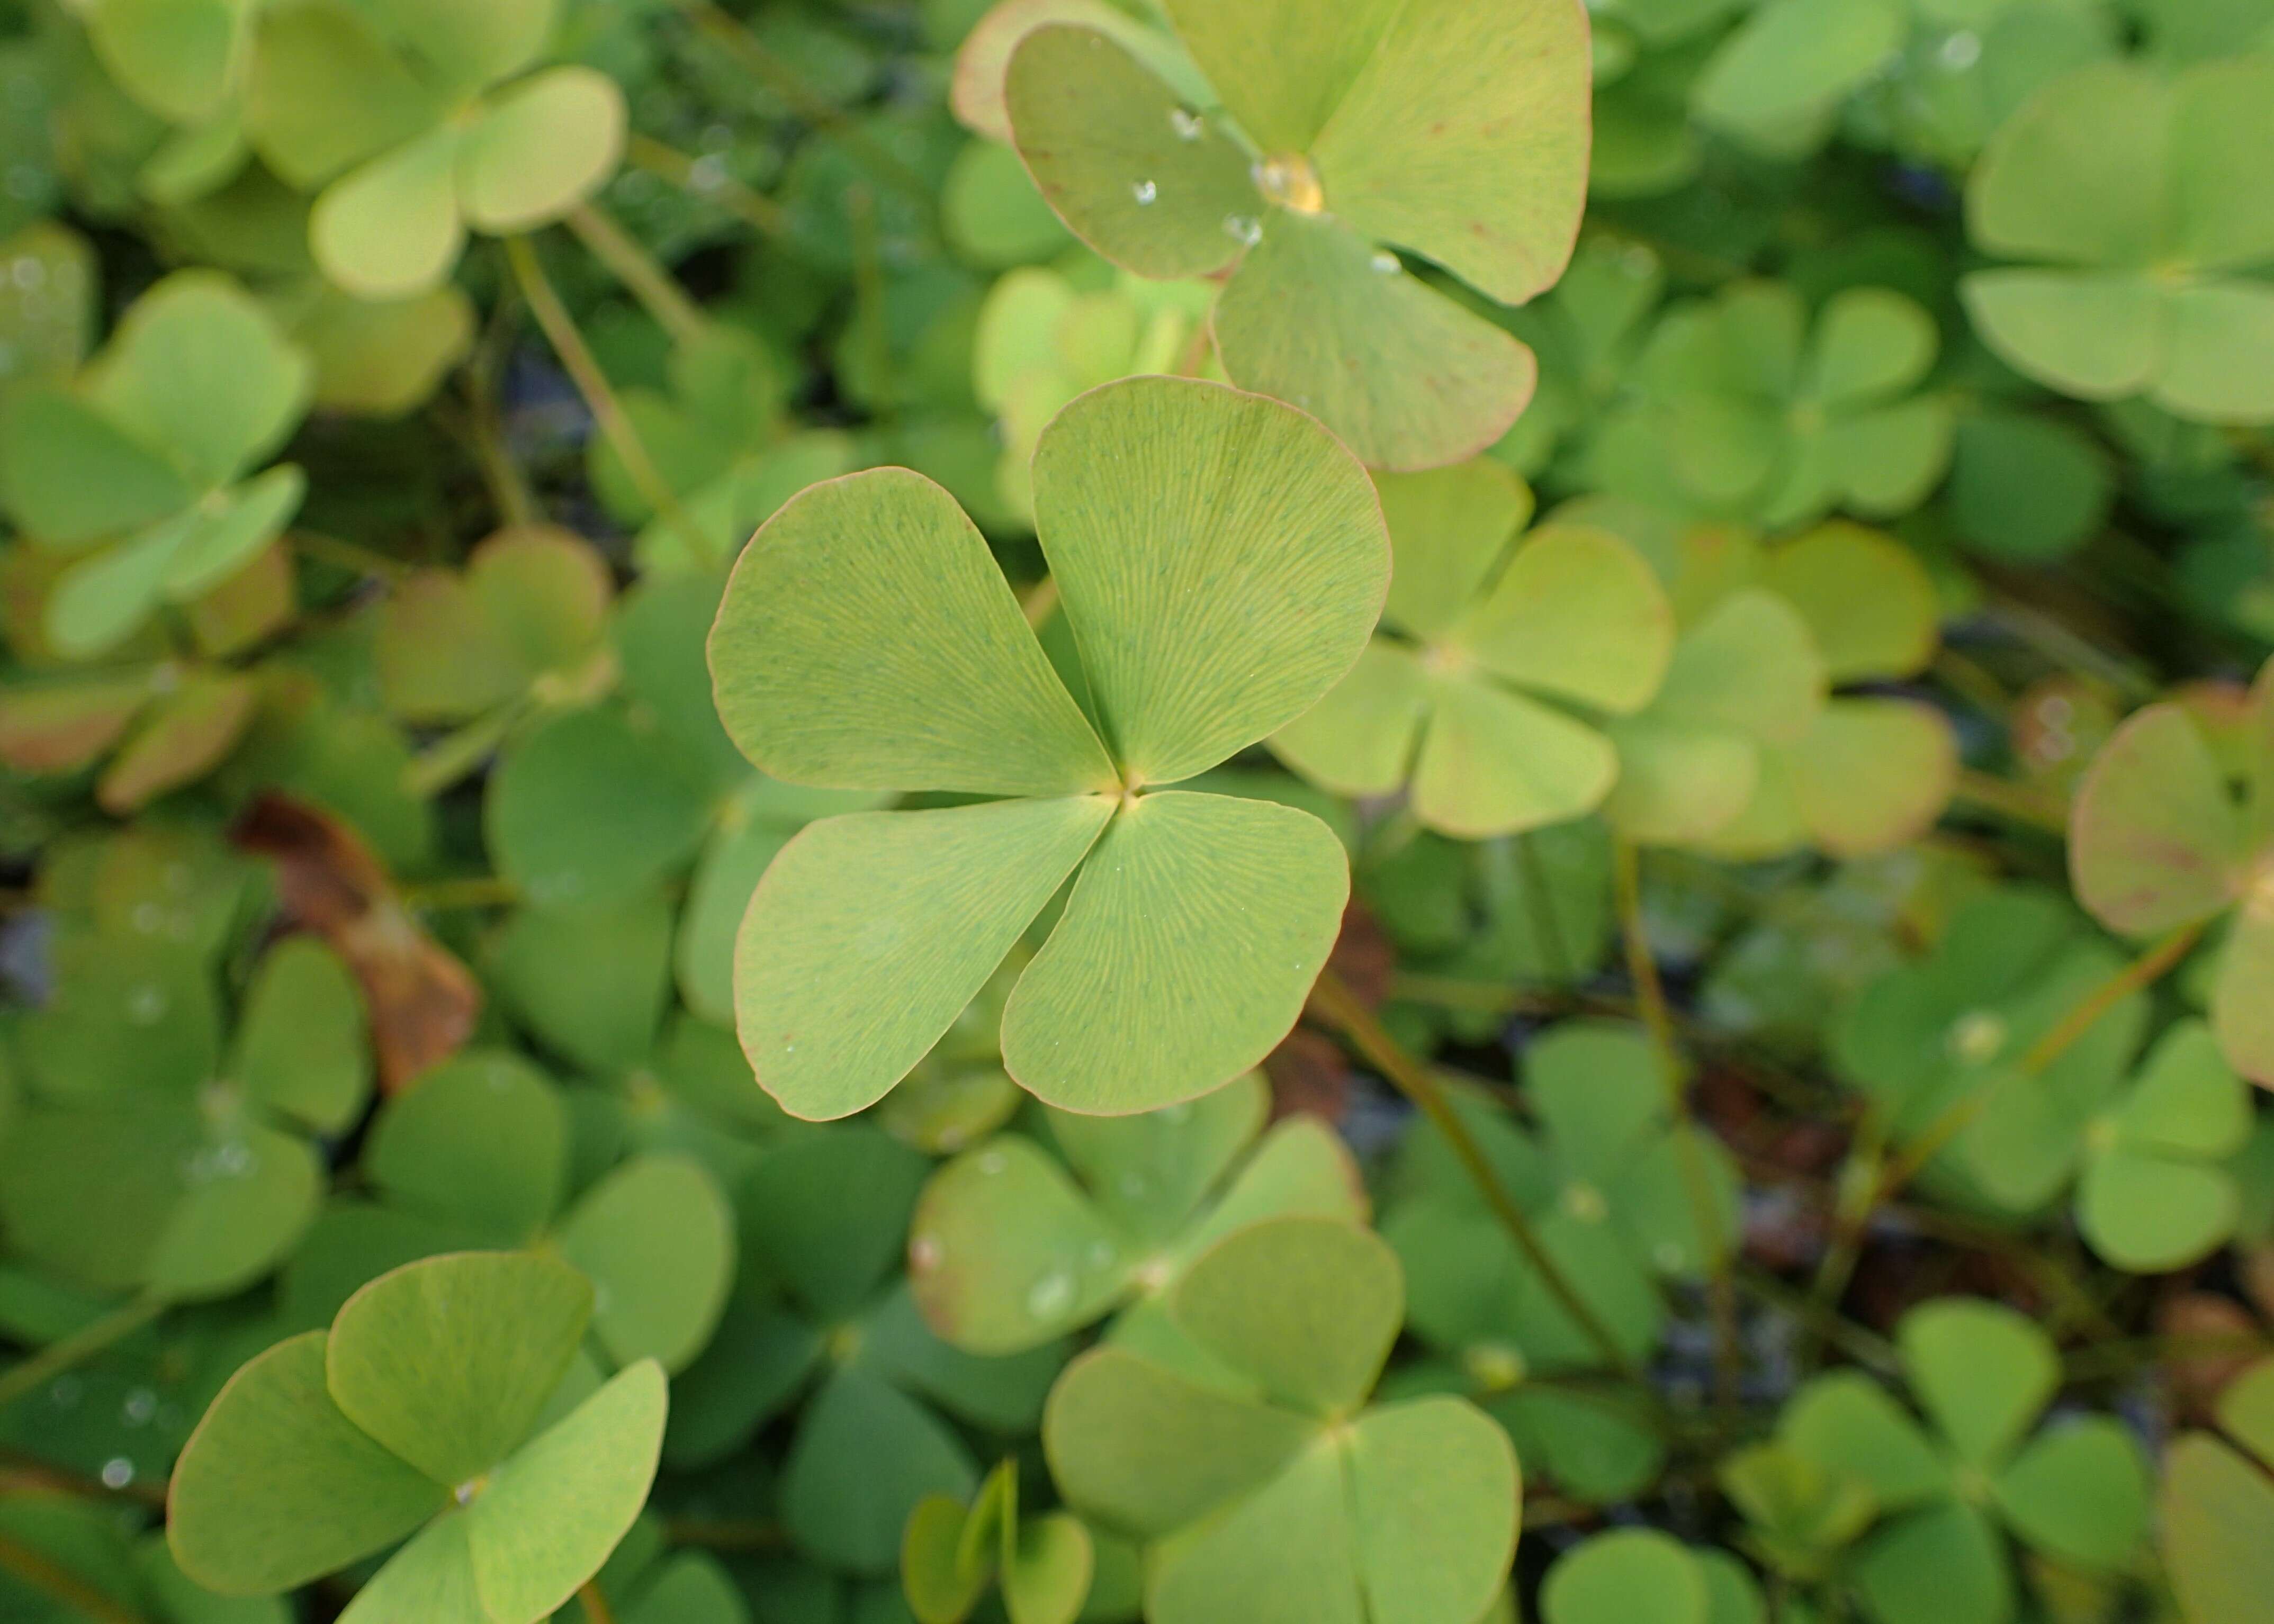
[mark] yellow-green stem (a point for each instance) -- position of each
(1658, 1023)
(593, 384)
(82, 1344)
(79, 1598)
(658, 295)
(595, 1605)
(753, 208)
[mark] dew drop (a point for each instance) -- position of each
(29, 272)
(1050, 1295)
(117, 1472)
(1144, 191)
(992, 1162)
(1186, 124)
(141, 1407)
(1243, 228)
(65, 1390)
(923, 1253)
(148, 917)
(1386, 265)
(1667, 1256)
(1962, 50)
(1101, 1254)
(146, 1005)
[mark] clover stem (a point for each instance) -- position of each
(729, 33)
(81, 1345)
(593, 384)
(345, 555)
(2143, 972)
(79, 1597)
(479, 891)
(2010, 802)
(633, 266)
(1333, 1001)
(1658, 1022)
(1040, 600)
(594, 1606)
(752, 208)
(1548, 927)
(508, 489)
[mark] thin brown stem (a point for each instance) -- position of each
(1658, 1022)
(1042, 600)
(599, 398)
(43, 1573)
(81, 1345)
(661, 296)
(596, 1606)
(1333, 1001)
(2011, 801)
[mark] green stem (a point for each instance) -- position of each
(1541, 901)
(479, 891)
(594, 1606)
(2010, 802)
(345, 555)
(42, 1573)
(1333, 1001)
(81, 1345)
(592, 383)
(753, 208)
(724, 29)
(1658, 1022)
(658, 295)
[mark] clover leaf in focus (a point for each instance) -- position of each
(1275, 1489)
(2135, 201)
(2159, 839)
(2075, 1491)
(1458, 132)
(1220, 560)
(417, 1415)
(1491, 642)
(1011, 1245)
(136, 467)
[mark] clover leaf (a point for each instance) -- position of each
(138, 463)
(1933, 1043)
(146, 1160)
(1277, 1491)
(1220, 560)
(2133, 199)
(2077, 1492)
(477, 1154)
(2216, 1506)
(47, 304)
(951, 1556)
(413, 1416)
(1874, 771)
(1491, 640)
(1606, 1182)
(1800, 1514)
(1747, 408)
(168, 726)
(1587, 330)
(1458, 132)
(1042, 341)
(822, 1311)
(2157, 841)
(1011, 1246)
(1639, 1576)
(420, 120)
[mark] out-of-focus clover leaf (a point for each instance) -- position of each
(2159, 841)
(1746, 678)
(1968, 66)
(381, 358)
(717, 441)
(2216, 1508)
(1639, 1576)
(520, 628)
(476, 1155)
(1872, 771)
(1607, 1182)
(47, 304)
(1275, 1488)
(1746, 411)
(2027, 487)
(1778, 82)
(162, 726)
(146, 1161)
(1313, 161)
(412, 1416)
(1042, 340)
(2076, 1492)
(1221, 560)
(1931, 1043)
(1586, 331)
(1011, 1246)
(1800, 1512)
(992, 214)
(418, 122)
(952, 1555)
(146, 450)
(1483, 630)
(2135, 200)
(821, 1310)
